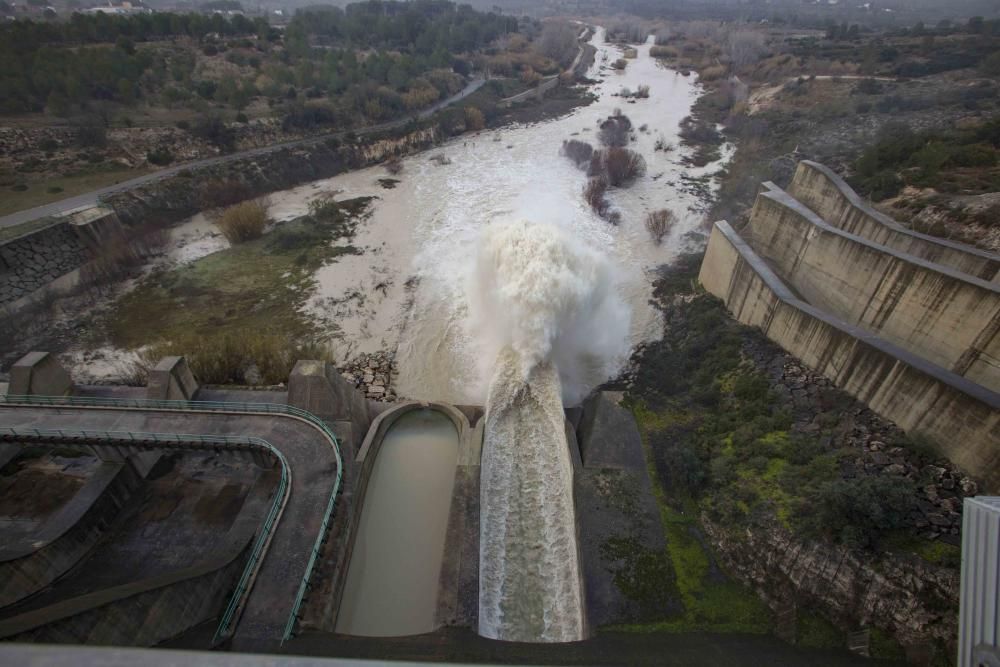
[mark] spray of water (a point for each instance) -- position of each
(546, 305)
(549, 297)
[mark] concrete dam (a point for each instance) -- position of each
(315, 511)
(907, 323)
(324, 512)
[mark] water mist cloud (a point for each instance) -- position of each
(550, 297)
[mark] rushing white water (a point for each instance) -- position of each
(546, 308)
(549, 297)
(529, 573)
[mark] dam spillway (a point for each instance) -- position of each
(529, 574)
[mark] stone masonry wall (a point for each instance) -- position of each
(30, 262)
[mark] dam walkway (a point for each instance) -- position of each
(314, 469)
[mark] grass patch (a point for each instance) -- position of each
(934, 552)
(257, 286)
(884, 647)
(814, 631)
(12, 232)
(710, 603)
(41, 191)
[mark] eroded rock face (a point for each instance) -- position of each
(911, 598)
(917, 601)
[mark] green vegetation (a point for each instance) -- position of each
(240, 305)
(44, 67)
(814, 631)
(884, 647)
(372, 61)
(948, 160)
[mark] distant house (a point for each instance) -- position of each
(122, 8)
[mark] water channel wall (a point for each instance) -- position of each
(833, 200)
(960, 416)
(146, 611)
(618, 521)
(140, 613)
(949, 318)
(459, 574)
(30, 262)
(29, 564)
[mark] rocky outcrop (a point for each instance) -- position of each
(372, 374)
(912, 599)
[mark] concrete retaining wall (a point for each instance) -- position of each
(832, 199)
(453, 605)
(945, 316)
(961, 417)
(36, 561)
(538, 92)
(137, 614)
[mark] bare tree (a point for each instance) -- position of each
(659, 223)
(593, 193)
(744, 47)
(622, 166)
(558, 41)
(615, 130)
(579, 152)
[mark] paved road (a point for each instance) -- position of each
(91, 198)
(313, 469)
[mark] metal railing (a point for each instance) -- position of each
(140, 440)
(221, 407)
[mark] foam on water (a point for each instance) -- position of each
(548, 318)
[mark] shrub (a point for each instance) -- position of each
(594, 193)
(244, 221)
(160, 156)
(242, 118)
(622, 165)
(91, 134)
(119, 255)
(303, 117)
(663, 145)
(215, 131)
(579, 152)
(53, 189)
(868, 87)
(394, 165)
(858, 511)
(619, 64)
(699, 133)
(474, 119)
(614, 131)
(713, 73)
(663, 52)
(642, 92)
(659, 223)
